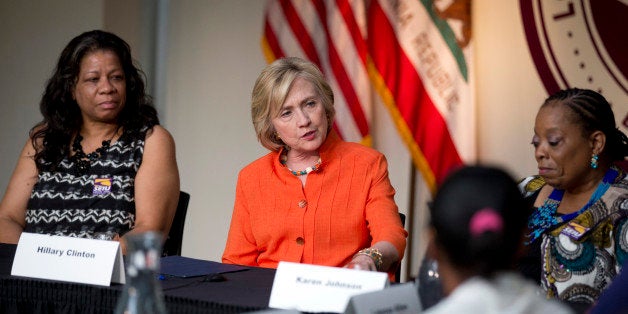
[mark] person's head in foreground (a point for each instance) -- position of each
(478, 217)
(477, 222)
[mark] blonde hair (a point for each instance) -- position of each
(270, 92)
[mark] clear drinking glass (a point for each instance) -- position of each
(142, 293)
(429, 284)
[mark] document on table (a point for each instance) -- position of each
(184, 267)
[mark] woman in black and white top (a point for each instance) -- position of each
(98, 165)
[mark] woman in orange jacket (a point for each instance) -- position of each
(314, 198)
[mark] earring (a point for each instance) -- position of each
(594, 158)
(276, 138)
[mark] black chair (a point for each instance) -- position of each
(172, 246)
(398, 271)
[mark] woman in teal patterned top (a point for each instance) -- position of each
(579, 228)
(98, 165)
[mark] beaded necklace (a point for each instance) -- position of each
(545, 218)
(84, 161)
(284, 161)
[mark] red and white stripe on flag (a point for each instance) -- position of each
(331, 34)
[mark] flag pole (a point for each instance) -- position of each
(410, 219)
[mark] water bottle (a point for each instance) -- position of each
(142, 292)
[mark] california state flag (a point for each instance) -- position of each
(420, 64)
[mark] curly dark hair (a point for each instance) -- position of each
(593, 112)
(61, 114)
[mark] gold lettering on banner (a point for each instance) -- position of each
(435, 74)
(404, 13)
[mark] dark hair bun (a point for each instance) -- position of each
(479, 216)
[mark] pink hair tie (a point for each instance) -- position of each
(484, 220)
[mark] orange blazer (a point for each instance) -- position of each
(345, 206)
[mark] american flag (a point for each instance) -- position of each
(331, 35)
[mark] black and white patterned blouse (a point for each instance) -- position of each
(97, 204)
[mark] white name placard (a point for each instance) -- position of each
(312, 288)
(89, 261)
(396, 299)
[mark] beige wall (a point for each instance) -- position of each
(212, 60)
(135, 22)
(508, 88)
